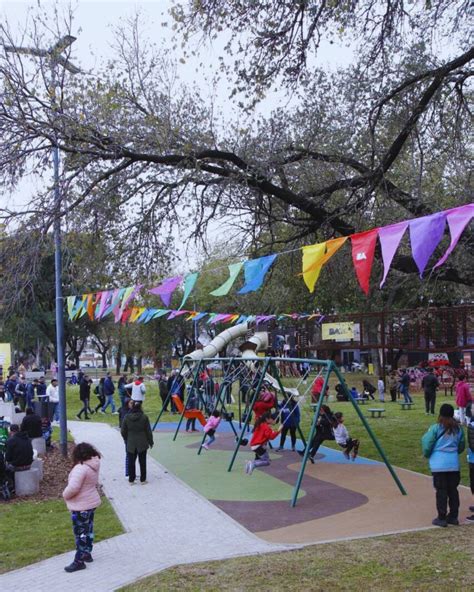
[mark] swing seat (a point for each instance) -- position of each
(191, 414)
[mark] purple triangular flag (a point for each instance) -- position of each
(166, 288)
(425, 235)
(390, 237)
(458, 219)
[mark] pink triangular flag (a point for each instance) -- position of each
(390, 237)
(457, 219)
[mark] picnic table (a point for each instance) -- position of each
(376, 412)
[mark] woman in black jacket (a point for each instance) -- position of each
(324, 431)
(136, 431)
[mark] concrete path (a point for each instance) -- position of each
(166, 524)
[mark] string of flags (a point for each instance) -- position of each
(425, 234)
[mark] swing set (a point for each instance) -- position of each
(258, 372)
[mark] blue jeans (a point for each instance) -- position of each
(111, 402)
(405, 393)
(56, 412)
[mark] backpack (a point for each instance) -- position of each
(470, 435)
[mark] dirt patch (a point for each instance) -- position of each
(56, 469)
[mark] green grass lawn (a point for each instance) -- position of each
(34, 530)
(434, 560)
(399, 432)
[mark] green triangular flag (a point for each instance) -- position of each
(234, 270)
(189, 282)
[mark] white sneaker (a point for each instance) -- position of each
(252, 467)
(205, 446)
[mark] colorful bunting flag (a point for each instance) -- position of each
(71, 301)
(457, 219)
(189, 283)
(166, 288)
(234, 270)
(255, 271)
(363, 250)
(312, 258)
(390, 237)
(425, 235)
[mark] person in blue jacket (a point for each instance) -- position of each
(109, 390)
(442, 444)
(290, 420)
(470, 460)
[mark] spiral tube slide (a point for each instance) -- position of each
(219, 342)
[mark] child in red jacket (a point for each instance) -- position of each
(265, 402)
(262, 434)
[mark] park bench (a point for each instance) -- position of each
(405, 406)
(361, 401)
(376, 412)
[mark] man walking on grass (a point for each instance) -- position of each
(430, 384)
(109, 390)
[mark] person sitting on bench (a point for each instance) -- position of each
(31, 424)
(18, 451)
(369, 389)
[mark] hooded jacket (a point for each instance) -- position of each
(463, 394)
(136, 431)
(81, 492)
(18, 450)
(138, 390)
(31, 424)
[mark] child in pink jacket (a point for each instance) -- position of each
(82, 499)
(211, 427)
(463, 397)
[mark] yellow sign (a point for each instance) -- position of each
(5, 357)
(337, 331)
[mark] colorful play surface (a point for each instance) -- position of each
(339, 499)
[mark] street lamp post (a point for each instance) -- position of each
(53, 55)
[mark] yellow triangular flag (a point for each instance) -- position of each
(312, 264)
(332, 246)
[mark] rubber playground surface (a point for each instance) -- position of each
(338, 499)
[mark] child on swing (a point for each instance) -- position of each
(341, 435)
(262, 434)
(211, 427)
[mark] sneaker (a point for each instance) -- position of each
(195, 430)
(75, 566)
(280, 449)
(311, 459)
(247, 466)
(115, 413)
(188, 431)
(452, 521)
(470, 518)
(131, 482)
(102, 411)
(439, 522)
(293, 449)
(205, 446)
(143, 482)
(251, 467)
(87, 557)
(79, 418)
(87, 417)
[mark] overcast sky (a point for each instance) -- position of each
(94, 24)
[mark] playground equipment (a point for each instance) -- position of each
(259, 371)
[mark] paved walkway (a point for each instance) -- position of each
(166, 524)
